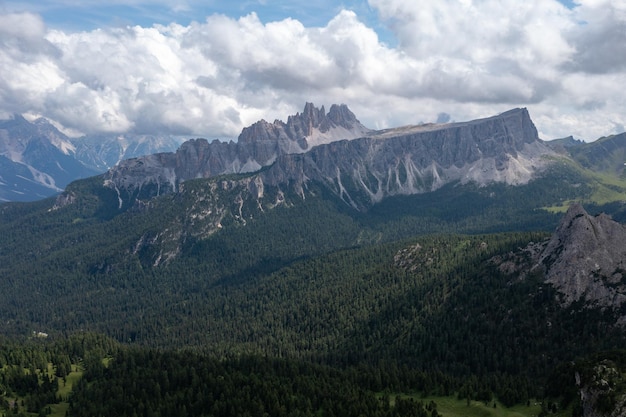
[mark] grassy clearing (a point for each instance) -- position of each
(453, 407)
(559, 208)
(606, 189)
(66, 388)
(59, 410)
(63, 393)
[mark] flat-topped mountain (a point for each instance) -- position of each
(359, 165)
(414, 160)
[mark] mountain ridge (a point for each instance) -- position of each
(362, 170)
(258, 146)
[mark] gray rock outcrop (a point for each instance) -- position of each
(585, 259)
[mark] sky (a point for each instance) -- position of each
(209, 68)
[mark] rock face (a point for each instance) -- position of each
(360, 166)
(258, 146)
(586, 259)
(312, 127)
(419, 159)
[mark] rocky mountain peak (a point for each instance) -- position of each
(341, 115)
(586, 258)
(307, 129)
(310, 119)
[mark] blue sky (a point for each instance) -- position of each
(75, 15)
(210, 68)
(88, 15)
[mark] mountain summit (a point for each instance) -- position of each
(584, 260)
(304, 130)
(359, 165)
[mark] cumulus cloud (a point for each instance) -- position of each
(459, 58)
(599, 37)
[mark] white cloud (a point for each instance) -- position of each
(466, 58)
(599, 36)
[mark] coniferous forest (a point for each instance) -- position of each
(309, 309)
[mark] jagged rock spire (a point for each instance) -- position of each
(586, 258)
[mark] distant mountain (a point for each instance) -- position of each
(419, 159)
(302, 132)
(360, 166)
(35, 160)
(567, 142)
(101, 152)
(259, 145)
(38, 161)
(606, 155)
(365, 174)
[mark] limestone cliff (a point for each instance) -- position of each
(418, 159)
(360, 166)
(258, 146)
(586, 259)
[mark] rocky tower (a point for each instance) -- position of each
(301, 132)
(586, 259)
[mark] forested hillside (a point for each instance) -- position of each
(90, 375)
(404, 298)
(84, 267)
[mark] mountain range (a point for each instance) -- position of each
(474, 256)
(362, 168)
(487, 175)
(38, 161)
